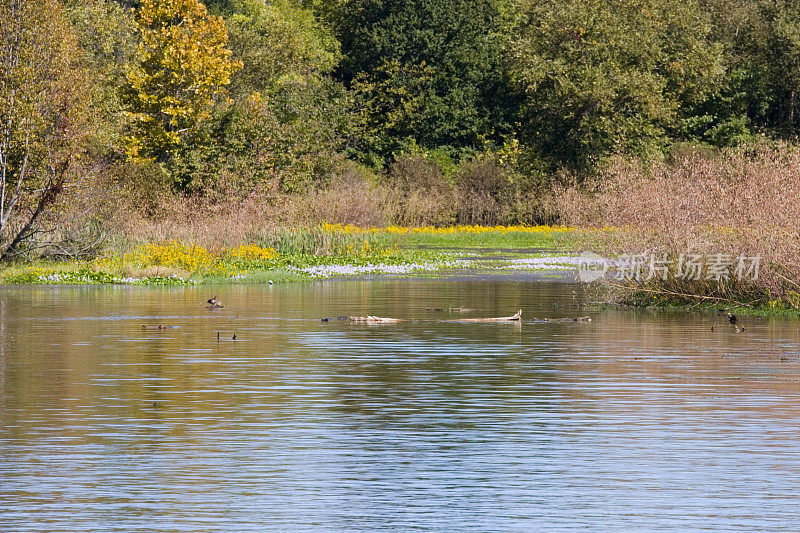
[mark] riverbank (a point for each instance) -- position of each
(334, 251)
(718, 228)
(320, 252)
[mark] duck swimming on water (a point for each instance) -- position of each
(214, 303)
(732, 319)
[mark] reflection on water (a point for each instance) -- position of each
(633, 421)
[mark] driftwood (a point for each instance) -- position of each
(369, 319)
(568, 319)
(516, 317)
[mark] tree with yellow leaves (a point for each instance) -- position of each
(44, 115)
(183, 67)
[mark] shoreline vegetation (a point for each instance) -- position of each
(321, 252)
(735, 209)
(183, 142)
(337, 251)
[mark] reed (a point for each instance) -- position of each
(325, 240)
(736, 202)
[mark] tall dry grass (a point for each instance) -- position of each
(737, 201)
(126, 203)
(257, 218)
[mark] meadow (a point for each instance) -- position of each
(295, 254)
(704, 206)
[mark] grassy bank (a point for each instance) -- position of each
(341, 251)
(282, 255)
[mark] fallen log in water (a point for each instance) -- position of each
(156, 327)
(567, 319)
(369, 319)
(516, 317)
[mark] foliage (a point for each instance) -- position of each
(325, 240)
(431, 71)
(44, 113)
(279, 43)
(762, 45)
(250, 252)
(782, 57)
(453, 111)
(182, 69)
(106, 35)
(288, 142)
(188, 257)
(284, 126)
(607, 76)
(301, 253)
(419, 193)
(487, 193)
(741, 203)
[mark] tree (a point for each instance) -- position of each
(44, 100)
(106, 34)
(279, 43)
(283, 126)
(184, 65)
(774, 44)
(429, 72)
(761, 90)
(602, 76)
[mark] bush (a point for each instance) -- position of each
(735, 201)
(417, 193)
(486, 195)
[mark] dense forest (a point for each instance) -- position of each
(481, 102)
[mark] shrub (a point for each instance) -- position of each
(485, 194)
(741, 201)
(418, 193)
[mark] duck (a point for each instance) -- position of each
(214, 303)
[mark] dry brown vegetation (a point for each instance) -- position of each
(738, 201)
(134, 203)
(743, 201)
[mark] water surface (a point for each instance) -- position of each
(635, 421)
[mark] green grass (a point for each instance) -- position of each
(323, 240)
(331, 246)
(557, 240)
(182, 264)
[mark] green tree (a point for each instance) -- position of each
(106, 35)
(772, 46)
(429, 72)
(279, 43)
(183, 67)
(44, 113)
(602, 76)
(284, 126)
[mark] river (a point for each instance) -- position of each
(637, 420)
